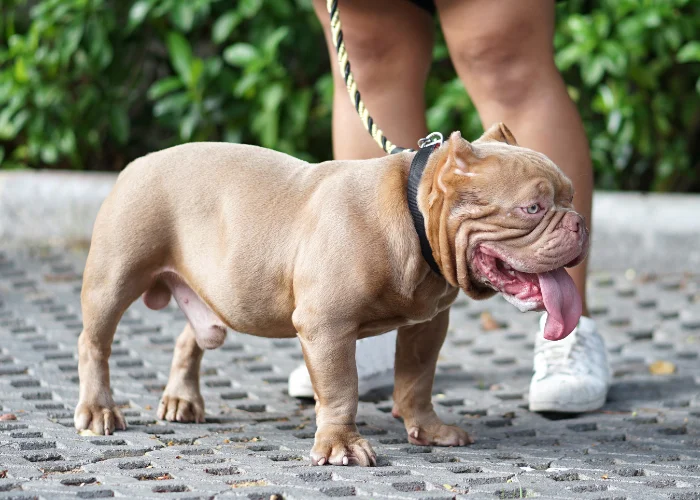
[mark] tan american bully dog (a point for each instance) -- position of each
(263, 243)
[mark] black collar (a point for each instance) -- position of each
(420, 160)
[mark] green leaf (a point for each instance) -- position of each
(163, 87)
(196, 70)
(652, 19)
(188, 124)
(138, 12)
(180, 55)
(616, 58)
(248, 8)
(21, 74)
(67, 143)
(602, 24)
(690, 52)
(20, 119)
(71, 40)
(119, 123)
(183, 15)
(173, 103)
(2, 154)
(245, 87)
(49, 153)
(593, 72)
(298, 110)
(569, 56)
(240, 54)
(212, 67)
(224, 26)
(272, 96)
(274, 39)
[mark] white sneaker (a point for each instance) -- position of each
(572, 375)
(375, 367)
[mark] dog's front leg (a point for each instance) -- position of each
(330, 357)
(417, 349)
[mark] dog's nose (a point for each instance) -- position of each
(572, 222)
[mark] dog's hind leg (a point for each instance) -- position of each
(182, 401)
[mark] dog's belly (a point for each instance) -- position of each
(210, 328)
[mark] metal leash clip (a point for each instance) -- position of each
(432, 139)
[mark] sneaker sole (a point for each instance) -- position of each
(555, 406)
(300, 393)
(381, 381)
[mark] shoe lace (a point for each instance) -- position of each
(568, 358)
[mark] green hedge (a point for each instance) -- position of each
(92, 84)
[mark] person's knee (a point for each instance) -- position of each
(381, 62)
(509, 67)
(386, 51)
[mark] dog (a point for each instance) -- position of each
(263, 243)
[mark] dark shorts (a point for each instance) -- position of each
(429, 5)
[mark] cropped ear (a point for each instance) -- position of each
(457, 160)
(498, 132)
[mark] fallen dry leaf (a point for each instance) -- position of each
(3, 474)
(662, 368)
(249, 484)
(604, 476)
(8, 416)
(87, 432)
(488, 322)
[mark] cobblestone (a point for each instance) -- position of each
(642, 445)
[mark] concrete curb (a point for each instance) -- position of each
(654, 232)
(50, 206)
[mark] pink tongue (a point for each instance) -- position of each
(562, 301)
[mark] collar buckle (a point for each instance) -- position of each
(432, 139)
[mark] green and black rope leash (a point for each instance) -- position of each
(356, 99)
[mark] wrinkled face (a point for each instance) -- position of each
(515, 228)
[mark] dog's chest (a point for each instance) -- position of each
(426, 304)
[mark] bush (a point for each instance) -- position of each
(92, 84)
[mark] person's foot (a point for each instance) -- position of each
(375, 367)
(572, 375)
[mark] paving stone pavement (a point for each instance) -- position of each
(255, 443)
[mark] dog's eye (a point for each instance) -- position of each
(533, 209)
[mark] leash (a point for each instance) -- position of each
(425, 146)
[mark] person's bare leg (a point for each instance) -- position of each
(503, 52)
(389, 44)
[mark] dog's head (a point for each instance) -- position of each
(501, 219)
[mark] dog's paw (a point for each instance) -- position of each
(340, 447)
(178, 409)
(438, 434)
(100, 419)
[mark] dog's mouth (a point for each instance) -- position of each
(553, 290)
